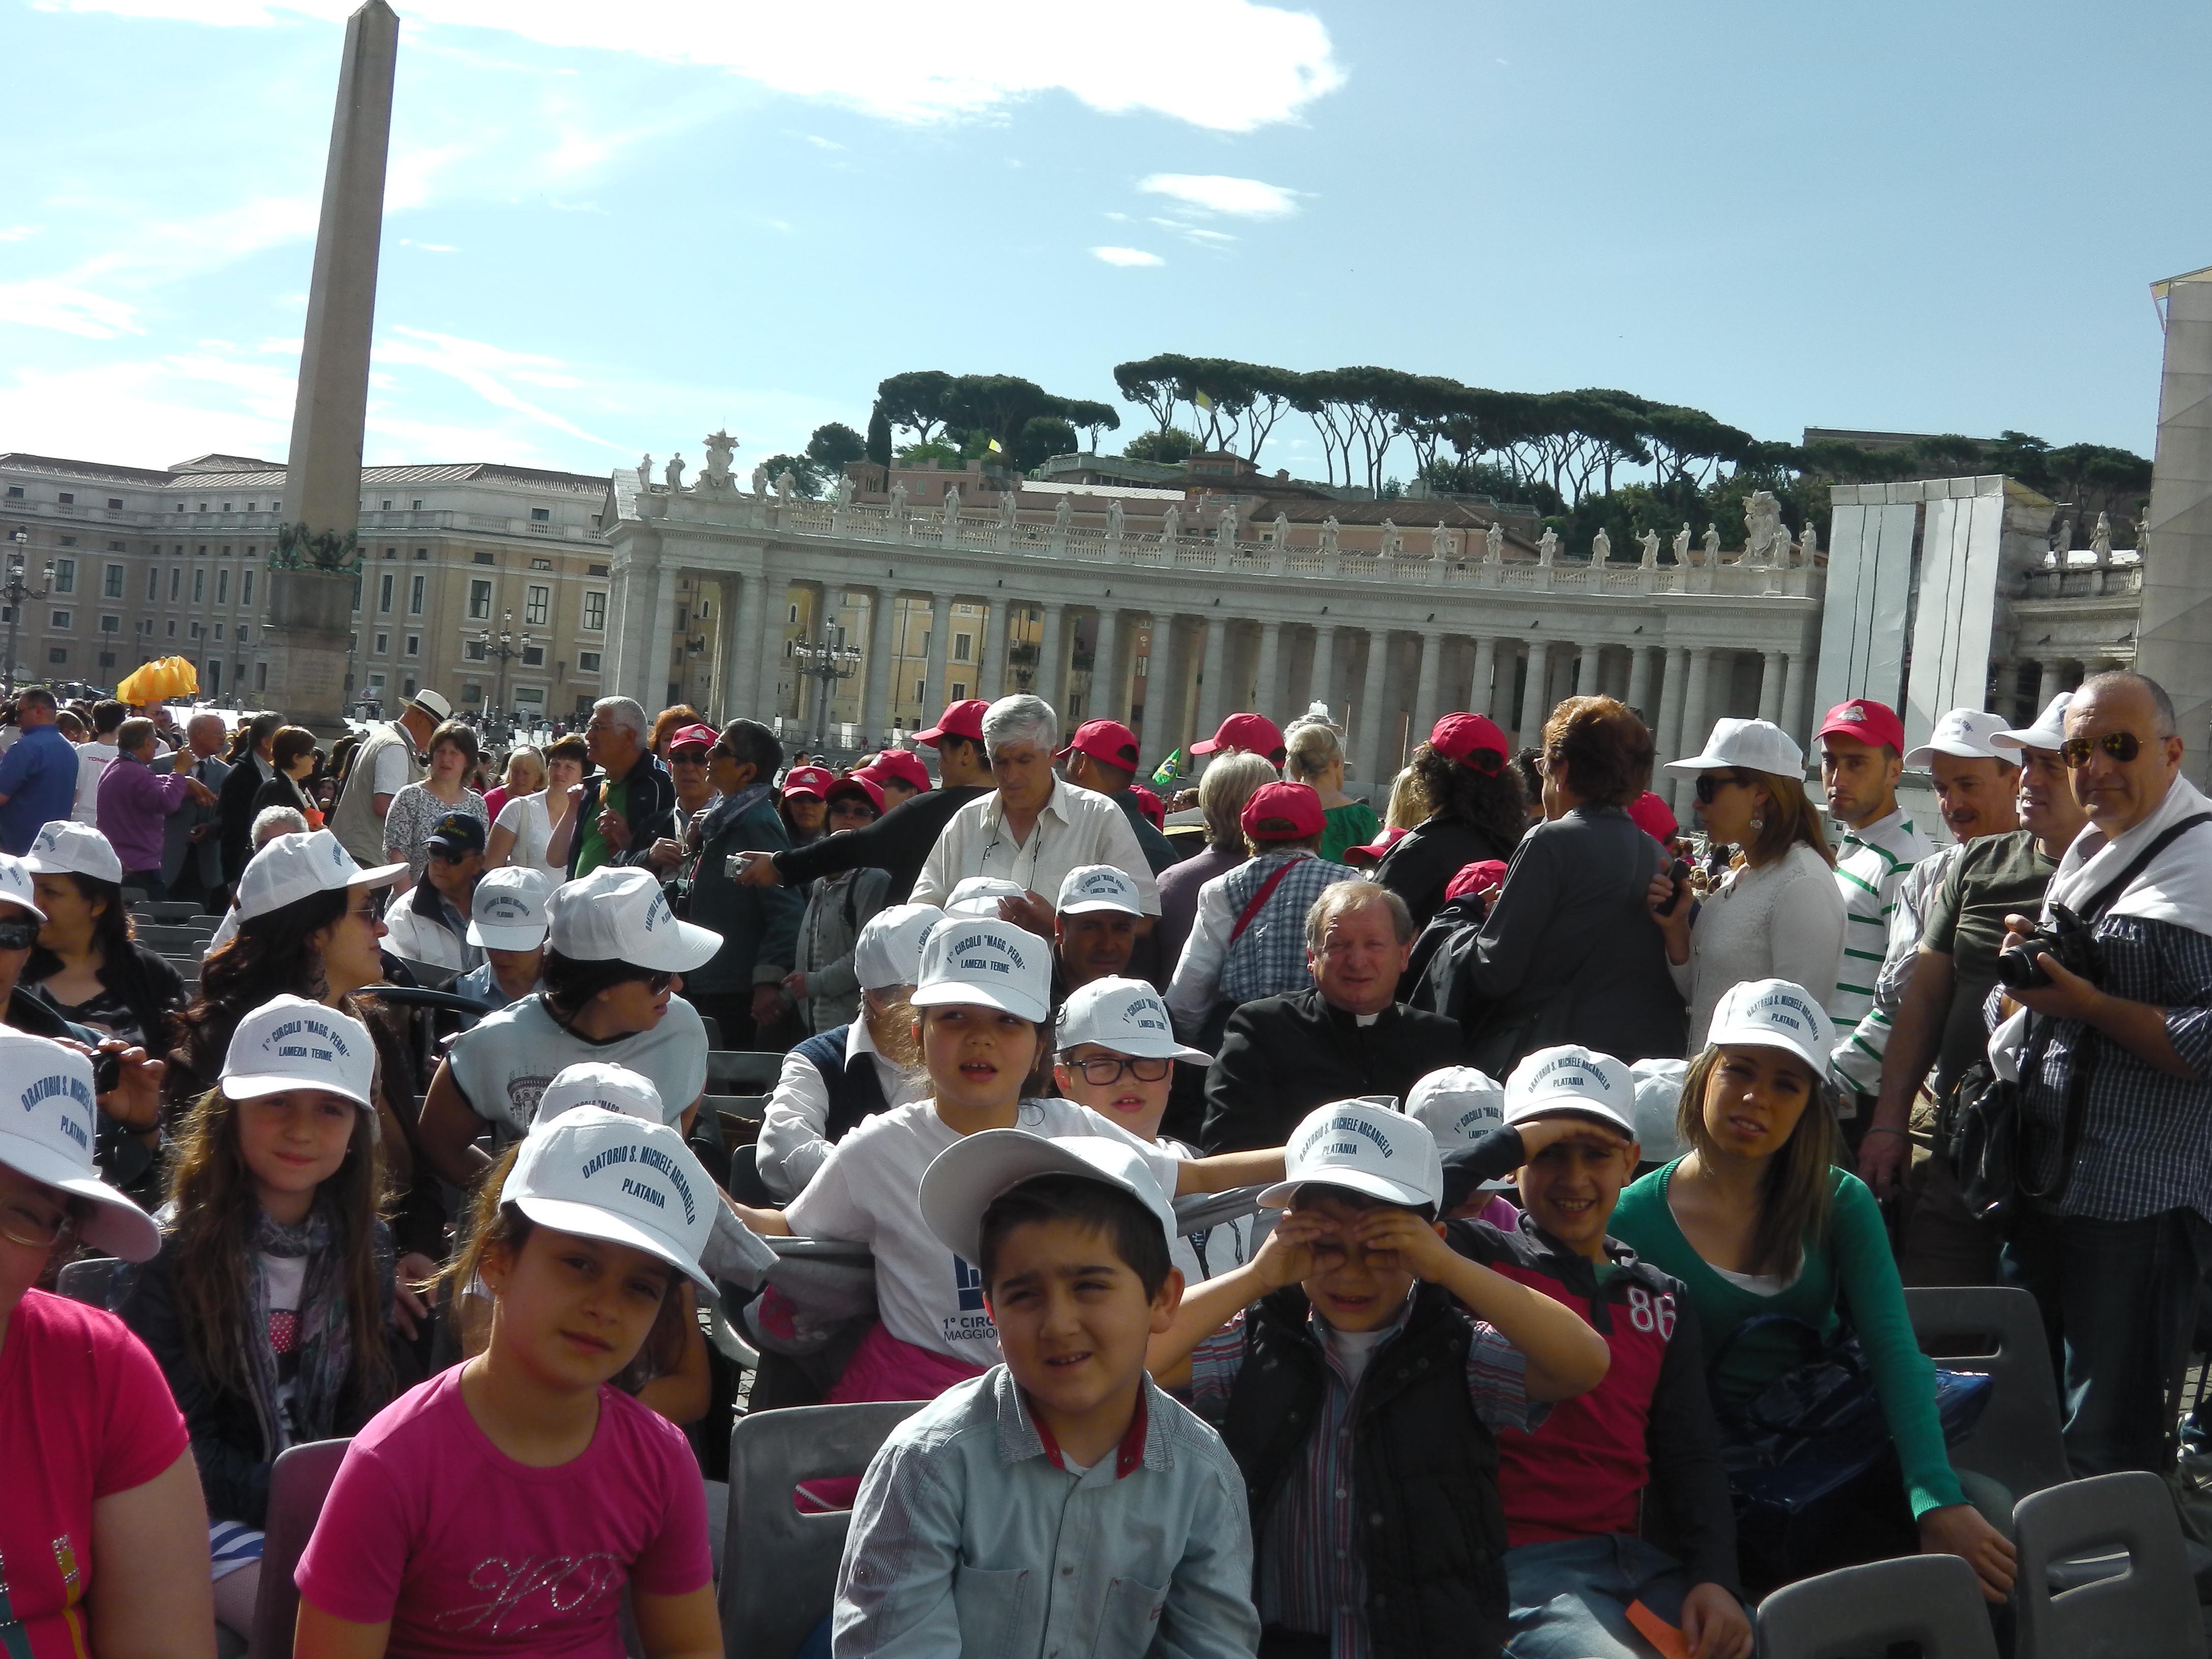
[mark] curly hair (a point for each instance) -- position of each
(1494, 804)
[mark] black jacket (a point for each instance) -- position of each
(1282, 1057)
(1421, 866)
(232, 1447)
(1430, 1531)
(898, 841)
(648, 807)
(234, 806)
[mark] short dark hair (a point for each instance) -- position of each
(572, 981)
(460, 734)
(1354, 1200)
(1134, 1231)
(37, 695)
(751, 743)
(290, 743)
(945, 744)
(571, 747)
(108, 714)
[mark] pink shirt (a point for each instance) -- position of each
(466, 1551)
(84, 1412)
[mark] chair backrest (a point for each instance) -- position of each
(779, 1566)
(1857, 1612)
(1998, 1329)
(742, 1071)
(298, 1483)
(2147, 1611)
(88, 1280)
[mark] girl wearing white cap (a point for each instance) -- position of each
(1755, 1219)
(88, 965)
(103, 1530)
(504, 1506)
(268, 1304)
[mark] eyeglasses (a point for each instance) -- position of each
(2122, 746)
(18, 935)
(1103, 1070)
(1709, 784)
(657, 983)
(24, 1221)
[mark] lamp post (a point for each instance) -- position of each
(502, 648)
(828, 662)
(14, 593)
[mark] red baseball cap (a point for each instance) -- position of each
(1473, 878)
(897, 766)
(1462, 737)
(1153, 809)
(1362, 858)
(1104, 740)
(854, 784)
(809, 783)
(1650, 814)
(1875, 724)
(960, 719)
(697, 736)
(1255, 732)
(1295, 804)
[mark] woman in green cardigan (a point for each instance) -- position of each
(1756, 1219)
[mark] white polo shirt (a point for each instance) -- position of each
(1077, 827)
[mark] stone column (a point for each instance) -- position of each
(2171, 631)
(768, 660)
(1770, 669)
(1268, 676)
(1052, 657)
(1320, 688)
(940, 635)
(660, 634)
(991, 667)
(1695, 696)
(1211, 690)
(875, 697)
(1481, 698)
(1380, 766)
(1590, 666)
(1534, 704)
(1640, 686)
(1424, 694)
(1668, 735)
(1106, 702)
(740, 640)
(1797, 666)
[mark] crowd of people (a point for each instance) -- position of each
(1307, 1225)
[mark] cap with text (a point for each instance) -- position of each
(603, 1174)
(1964, 734)
(596, 1083)
(1098, 887)
(1366, 1146)
(976, 1171)
(1751, 744)
(1875, 724)
(1255, 733)
(972, 960)
(1459, 1104)
(456, 835)
(293, 1043)
(508, 910)
(1574, 1080)
(16, 887)
(1124, 1015)
(617, 914)
(979, 896)
(66, 847)
(290, 868)
(964, 719)
(889, 949)
(1773, 1013)
(49, 1123)
(2049, 731)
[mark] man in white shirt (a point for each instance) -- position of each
(1033, 827)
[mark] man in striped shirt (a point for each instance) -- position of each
(1862, 757)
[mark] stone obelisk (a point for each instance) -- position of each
(2173, 631)
(311, 597)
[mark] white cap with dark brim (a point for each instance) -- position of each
(49, 1124)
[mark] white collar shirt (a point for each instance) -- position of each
(1077, 827)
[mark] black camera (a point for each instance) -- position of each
(2069, 941)
(107, 1070)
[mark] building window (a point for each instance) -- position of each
(14, 492)
(959, 689)
(173, 624)
(107, 659)
(415, 590)
(199, 586)
(176, 578)
(222, 587)
(538, 515)
(537, 604)
(595, 611)
(115, 505)
(115, 547)
(541, 564)
(218, 630)
(595, 570)
(479, 600)
(69, 541)
(111, 584)
(472, 650)
(386, 508)
(963, 647)
(110, 624)
(384, 593)
(414, 645)
(67, 499)
(246, 589)
(420, 554)
(383, 645)
(261, 676)
(533, 656)
(587, 662)
(59, 619)
(485, 558)
(790, 615)
(921, 690)
(58, 653)
(65, 576)
(417, 507)
(357, 593)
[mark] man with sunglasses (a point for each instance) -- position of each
(2111, 1231)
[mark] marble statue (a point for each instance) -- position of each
(899, 501)
(720, 445)
(1226, 526)
(784, 487)
(1649, 541)
(1171, 526)
(841, 492)
(1328, 528)
(1682, 545)
(1010, 506)
(2100, 539)
(1810, 544)
(1393, 543)
(675, 472)
(1762, 524)
(1443, 544)
(1282, 533)
(951, 507)
(645, 472)
(760, 480)
(1062, 516)
(1710, 543)
(1114, 516)
(2142, 532)
(1493, 543)
(1600, 547)
(1547, 546)
(2062, 541)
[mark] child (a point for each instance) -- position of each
(503, 1507)
(1575, 1489)
(1460, 1105)
(267, 1305)
(1117, 1055)
(1359, 1394)
(1059, 1503)
(981, 1004)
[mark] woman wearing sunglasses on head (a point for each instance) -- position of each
(1779, 917)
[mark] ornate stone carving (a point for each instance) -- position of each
(644, 473)
(675, 473)
(720, 445)
(1171, 526)
(1393, 544)
(1443, 544)
(2100, 539)
(1762, 524)
(1328, 531)
(1682, 545)
(1062, 516)
(1712, 543)
(1114, 520)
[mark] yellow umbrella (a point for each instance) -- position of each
(138, 686)
(183, 680)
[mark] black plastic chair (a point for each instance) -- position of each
(298, 1483)
(1997, 1329)
(88, 1280)
(1858, 1613)
(2146, 1609)
(742, 1071)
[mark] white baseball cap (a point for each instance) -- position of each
(1754, 745)
(1124, 1015)
(1658, 1094)
(432, 704)
(603, 1174)
(15, 887)
(1367, 1146)
(1573, 1080)
(293, 1042)
(983, 960)
(1098, 887)
(596, 1083)
(1459, 1104)
(979, 896)
(48, 1124)
(621, 914)
(508, 910)
(1967, 733)
(967, 1177)
(2049, 731)
(889, 949)
(1773, 1013)
(290, 868)
(65, 847)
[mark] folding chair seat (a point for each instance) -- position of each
(742, 1071)
(1858, 1613)
(1997, 1329)
(2146, 1609)
(298, 1483)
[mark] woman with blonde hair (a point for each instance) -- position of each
(1315, 755)
(524, 774)
(1779, 914)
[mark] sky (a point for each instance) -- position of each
(612, 229)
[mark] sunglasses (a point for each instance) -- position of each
(1103, 1070)
(1709, 784)
(18, 935)
(2122, 746)
(657, 983)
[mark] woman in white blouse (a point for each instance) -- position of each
(1779, 914)
(526, 822)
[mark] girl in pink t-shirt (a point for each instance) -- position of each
(503, 1507)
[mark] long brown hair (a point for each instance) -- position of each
(1790, 817)
(212, 1195)
(1793, 1194)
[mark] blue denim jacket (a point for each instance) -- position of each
(970, 1535)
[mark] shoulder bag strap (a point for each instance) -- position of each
(1259, 900)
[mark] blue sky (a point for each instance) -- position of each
(611, 229)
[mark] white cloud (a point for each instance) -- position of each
(901, 62)
(61, 305)
(486, 370)
(19, 232)
(426, 247)
(1127, 256)
(1217, 192)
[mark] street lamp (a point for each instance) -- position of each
(503, 648)
(14, 593)
(828, 662)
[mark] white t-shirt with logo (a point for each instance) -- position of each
(869, 1190)
(93, 760)
(504, 1062)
